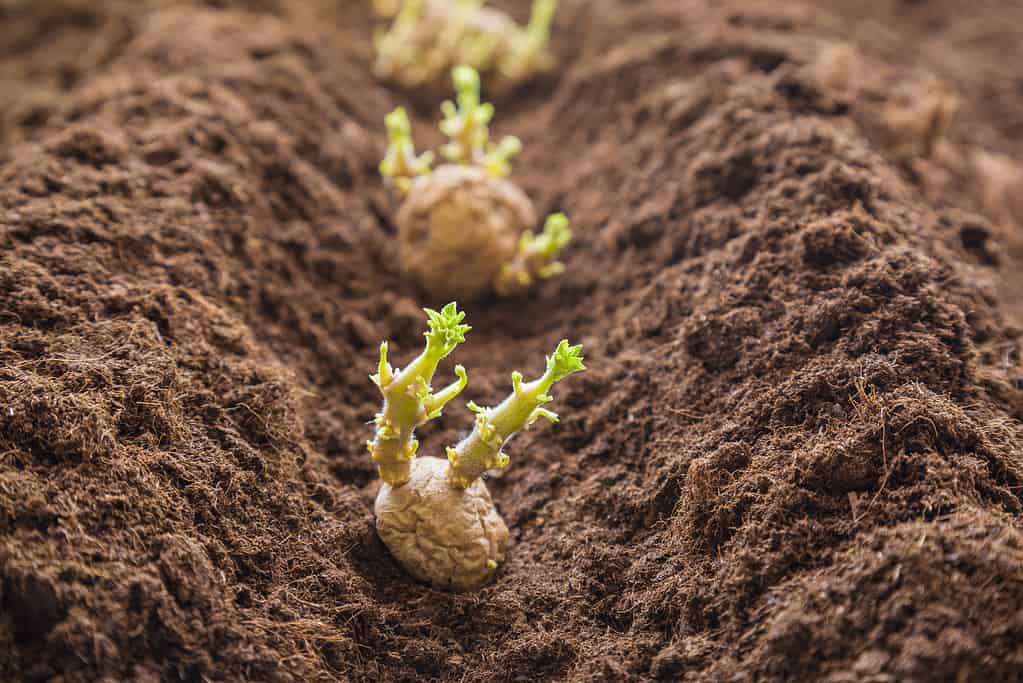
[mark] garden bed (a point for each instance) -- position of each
(797, 452)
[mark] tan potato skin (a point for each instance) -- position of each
(457, 228)
(447, 537)
(436, 18)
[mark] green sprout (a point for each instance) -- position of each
(479, 49)
(408, 400)
(528, 51)
(476, 43)
(466, 123)
(498, 158)
(452, 34)
(401, 163)
(397, 47)
(481, 450)
(536, 255)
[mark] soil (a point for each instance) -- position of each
(797, 453)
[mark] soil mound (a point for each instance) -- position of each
(796, 454)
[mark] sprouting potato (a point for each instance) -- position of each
(464, 228)
(427, 37)
(435, 515)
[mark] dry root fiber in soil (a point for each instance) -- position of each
(796, 453)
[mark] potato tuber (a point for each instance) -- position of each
(464, 229)
(436, 516)
(427, 37)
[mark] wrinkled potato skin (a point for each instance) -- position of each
(441, 535)
(457, 228)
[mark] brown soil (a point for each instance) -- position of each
(798, 451)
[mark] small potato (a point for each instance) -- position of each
(458, 227)
(451, 538)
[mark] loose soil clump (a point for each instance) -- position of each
(797, 453)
